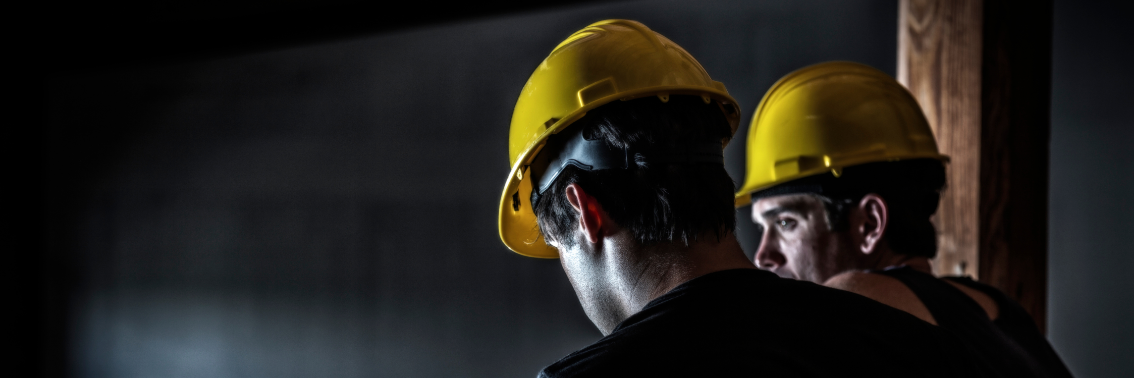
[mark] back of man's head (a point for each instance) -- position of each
(657, 200)
(911, 189)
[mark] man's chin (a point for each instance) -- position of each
(785, 274)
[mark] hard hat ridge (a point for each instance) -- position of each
(598, 28)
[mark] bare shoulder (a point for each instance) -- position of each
(884, 289)
(859, 280)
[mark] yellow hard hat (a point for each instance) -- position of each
(606, 61)
(829, 116)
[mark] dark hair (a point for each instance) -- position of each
(655, 202)
(911, 189)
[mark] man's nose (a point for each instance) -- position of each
(768, 257)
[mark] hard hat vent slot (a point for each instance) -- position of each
(516, 201)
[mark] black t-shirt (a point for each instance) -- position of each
(749, 322)
(1012, 344)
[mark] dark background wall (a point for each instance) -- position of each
(328, 208)
(1091, 219)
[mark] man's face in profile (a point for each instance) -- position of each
(796, 240)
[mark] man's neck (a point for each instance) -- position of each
(664, 267)
(888, 258)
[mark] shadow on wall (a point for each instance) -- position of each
(331, 209)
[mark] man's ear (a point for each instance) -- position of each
(876, 214)
(590, 212)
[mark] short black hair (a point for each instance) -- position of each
(656, 202)
(911, 189)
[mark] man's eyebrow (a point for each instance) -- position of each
(798, 207)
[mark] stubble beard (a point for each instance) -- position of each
(833, 255)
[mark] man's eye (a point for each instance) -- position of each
(785, 224)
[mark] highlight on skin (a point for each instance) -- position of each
(615, 276)
(796, 239)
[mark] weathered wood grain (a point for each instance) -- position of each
(939, 60)
(981, 70)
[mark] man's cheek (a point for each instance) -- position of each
(791, 266)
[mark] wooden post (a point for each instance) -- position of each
(1015, 149)
(981, 71)
(939, 60)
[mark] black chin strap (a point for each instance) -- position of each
(570, 148)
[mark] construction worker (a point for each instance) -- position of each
(843, 175)
(617, 170)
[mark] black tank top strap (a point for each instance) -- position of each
(950, 306)
(1011, 347)
(1017, 324)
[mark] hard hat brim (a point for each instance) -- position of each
(744, 196)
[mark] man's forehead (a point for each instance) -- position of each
(798, 202)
